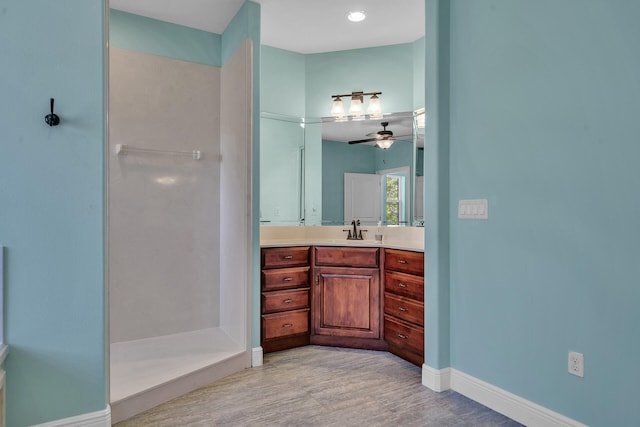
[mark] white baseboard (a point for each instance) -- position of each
(93, 419)
(506, 403)
(257, 356)
(436, 379)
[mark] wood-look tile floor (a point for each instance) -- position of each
(322, 386)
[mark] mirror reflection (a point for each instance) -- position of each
(361, 180)
(356, 178)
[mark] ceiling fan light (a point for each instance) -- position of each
(375, 109)
(384, 143)
(337, 108)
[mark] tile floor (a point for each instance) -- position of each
(322, 386)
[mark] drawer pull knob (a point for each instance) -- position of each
(402, 261)
(287, 257)
(287, 325)
(287, 301)
(403, 309)
(404, 337)
(402, 285)
(287, 279)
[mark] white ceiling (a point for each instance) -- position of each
(304, 26)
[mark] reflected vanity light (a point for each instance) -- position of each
(166, 180)
(356, 107)
(420, 118)
(375, 109)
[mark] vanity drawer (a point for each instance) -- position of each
(404, 261)
(285, 300)
(403, 335)
(284, 278)
(404, 285)
(404, 308)
(284, 324)
(347, 256)
(285, 257)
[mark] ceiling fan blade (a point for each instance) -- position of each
(360, 141)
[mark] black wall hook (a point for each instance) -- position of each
(52, 119)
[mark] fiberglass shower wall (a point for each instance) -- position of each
(179, 305)
(163, 205)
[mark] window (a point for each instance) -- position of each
(392, 199)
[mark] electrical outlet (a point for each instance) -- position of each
(576, 364)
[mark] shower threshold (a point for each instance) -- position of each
(149, 371)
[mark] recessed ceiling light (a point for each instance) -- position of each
(356, 16)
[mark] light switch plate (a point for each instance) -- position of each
(473, 209)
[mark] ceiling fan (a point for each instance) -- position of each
(383, 138)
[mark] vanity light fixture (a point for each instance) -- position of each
(374, 109)
(356, 16)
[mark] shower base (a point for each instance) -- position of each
(150, 371)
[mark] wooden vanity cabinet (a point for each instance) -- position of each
(404, 304)
(346, 297)
(285, 297)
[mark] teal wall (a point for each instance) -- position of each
(436, 186)
(418, 47)
(282, 85)
(142, 34)
(52, 208)
(544, 98)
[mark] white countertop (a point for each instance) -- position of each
(407, 238)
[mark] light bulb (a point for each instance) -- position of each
(337, 109)
(355, 108)
(375, 109)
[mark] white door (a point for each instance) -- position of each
(362, 198)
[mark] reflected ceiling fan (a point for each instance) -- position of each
(383, 138)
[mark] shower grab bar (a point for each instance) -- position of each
(121, 148)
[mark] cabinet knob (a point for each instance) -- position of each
(287, 257)
(402, 261)
(287, 301)
(287, 325)
(287, 279)
(404, 337)
(402, 285)
(403, 309)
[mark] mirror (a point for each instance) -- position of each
(311, 175)
(281, 170)
(365, 182)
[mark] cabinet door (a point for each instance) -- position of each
(347, 302)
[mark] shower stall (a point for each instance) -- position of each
(179, 241)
